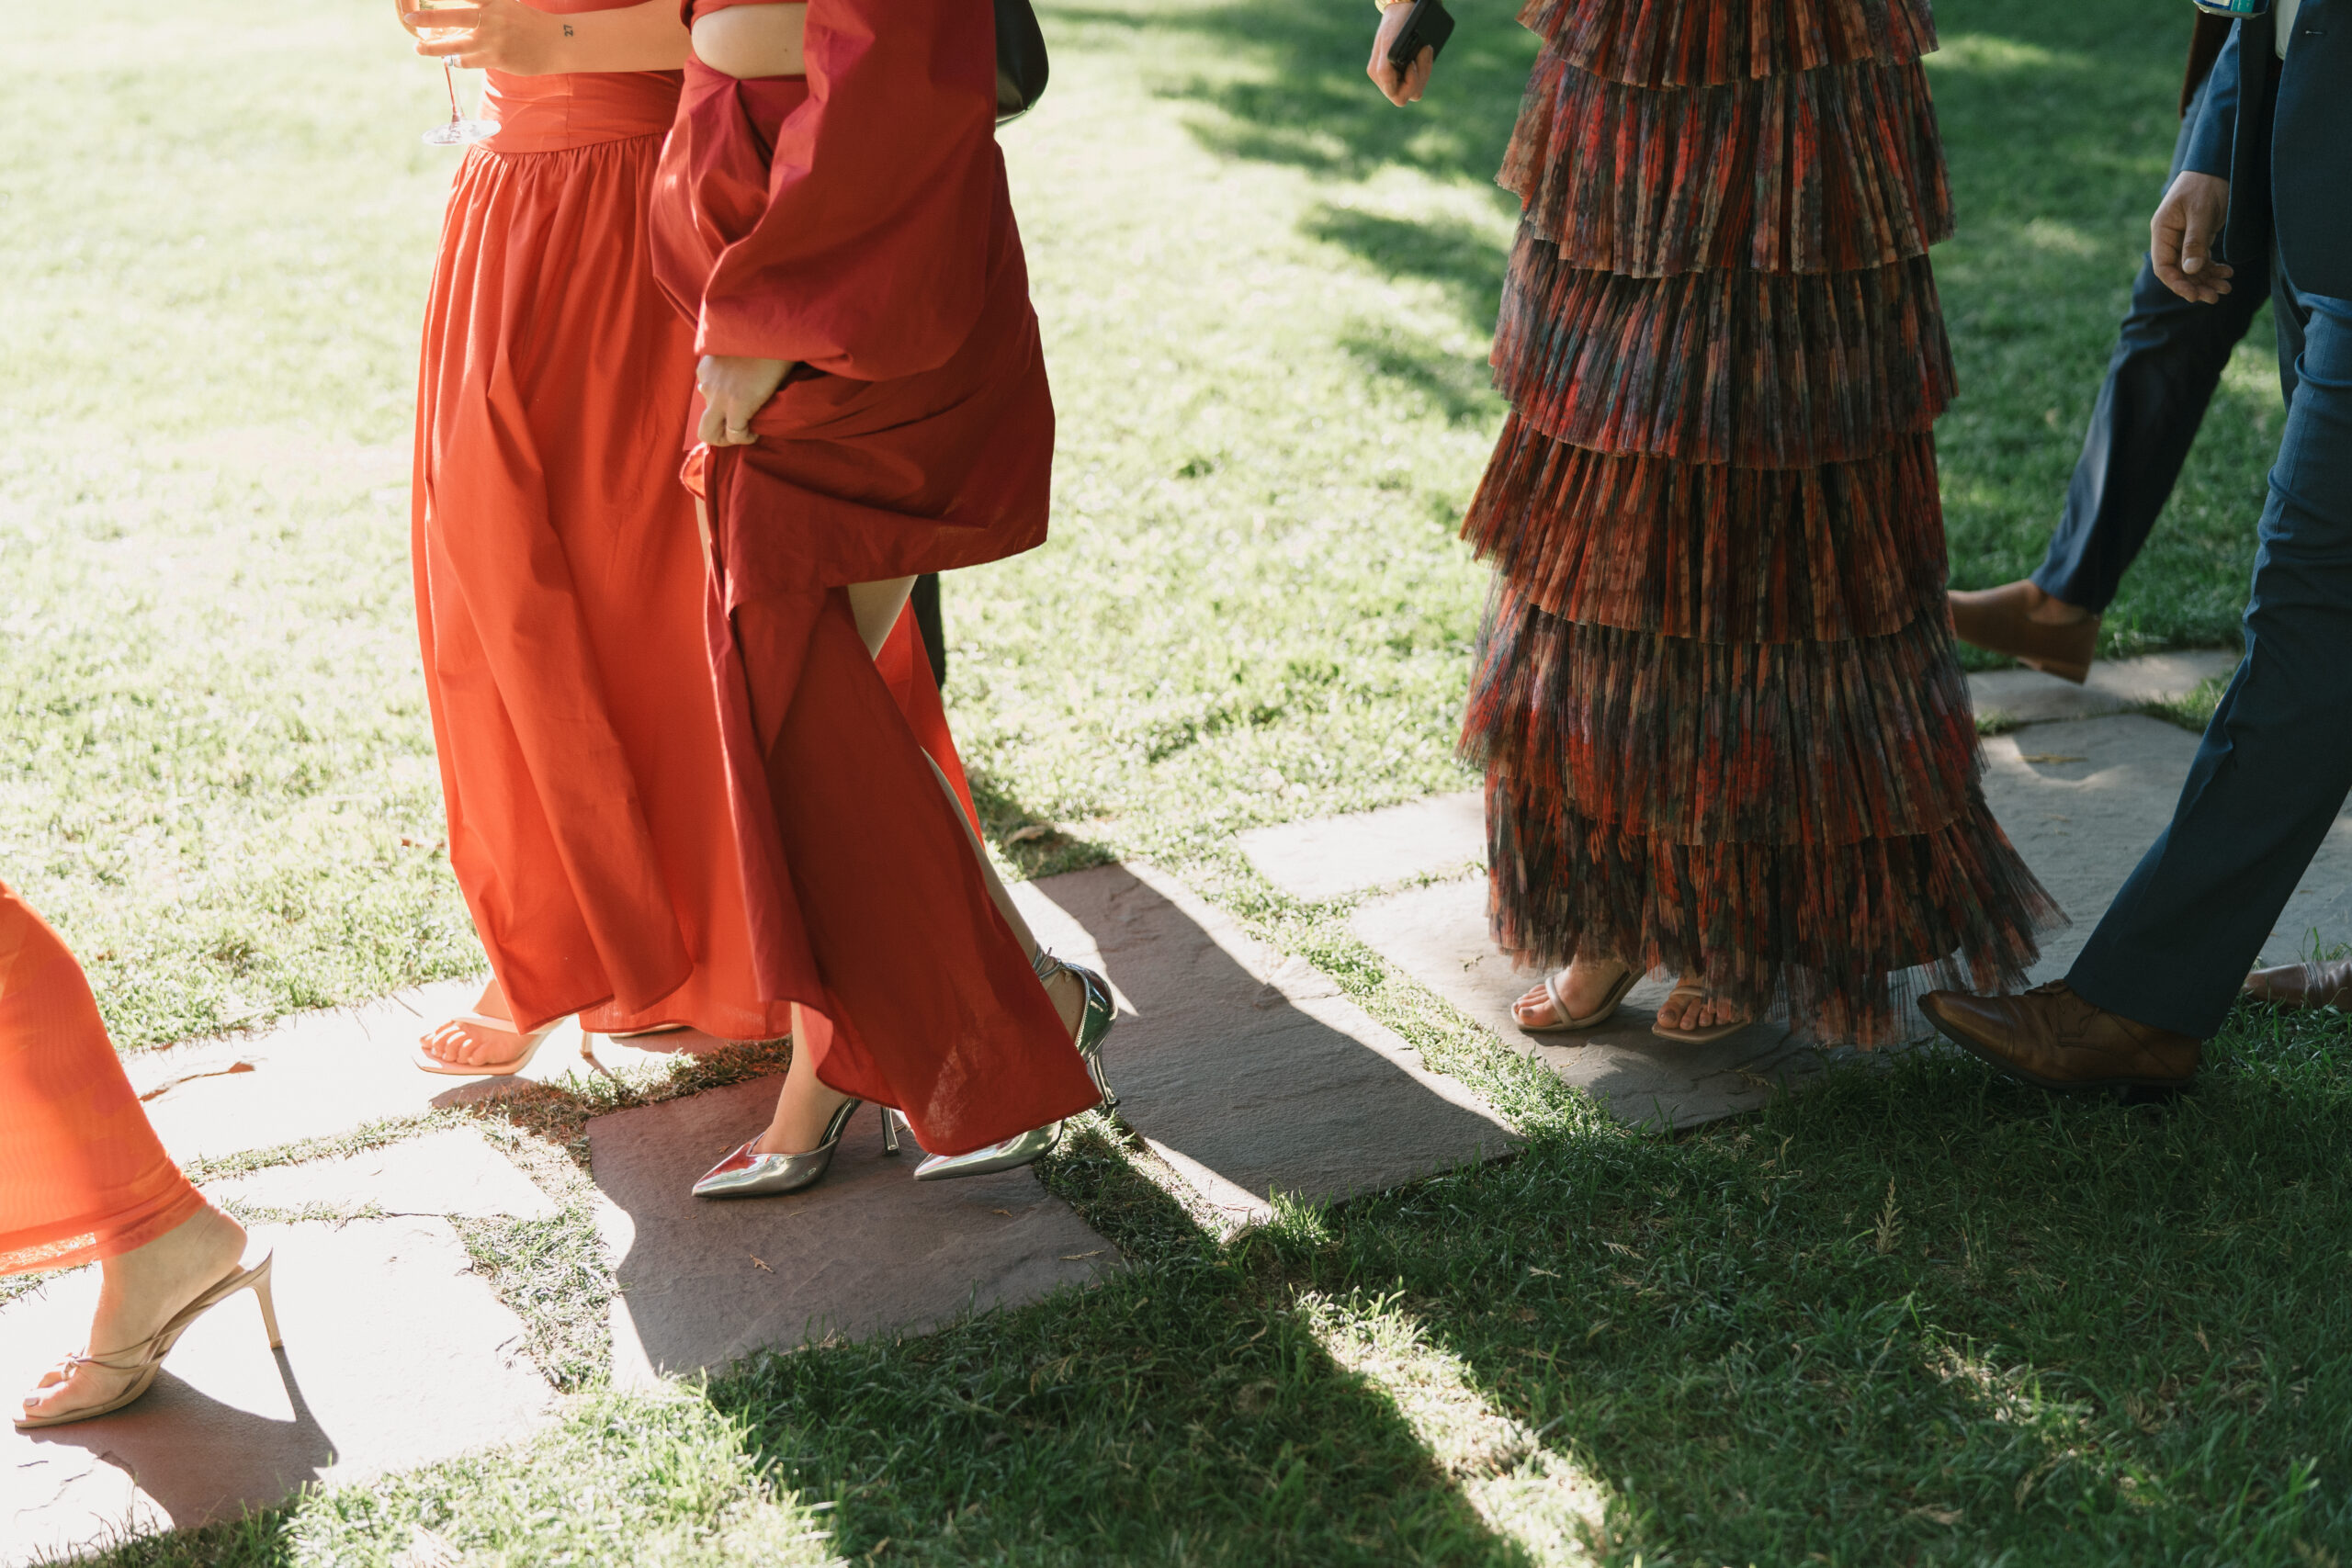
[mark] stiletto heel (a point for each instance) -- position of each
(146, 1358)
(268, 1303)
(1094, 1021)
(747, 1173)
(889, 1130)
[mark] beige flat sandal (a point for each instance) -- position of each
(1707, 1036)
(427, 1062)
(1593, 1020)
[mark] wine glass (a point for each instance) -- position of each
(459, 130)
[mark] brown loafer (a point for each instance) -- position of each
(1998, 620)
(2051, 1037)
(2303, 985)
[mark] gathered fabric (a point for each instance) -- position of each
(856, 223)
(559, 579)
(83, 1175)
(1716, 698)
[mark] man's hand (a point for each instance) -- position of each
(1401, 87)
(2182, 234)
(497, 35)
(733, 390)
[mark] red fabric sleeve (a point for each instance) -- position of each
(869, 257)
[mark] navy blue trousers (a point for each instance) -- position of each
(2276, 762)
(2168, 361)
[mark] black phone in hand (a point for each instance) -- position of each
(1428, 27)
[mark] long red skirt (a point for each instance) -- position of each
(560, 581)
(867, 904)
(82, 1176)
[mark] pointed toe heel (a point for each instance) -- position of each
(1094, 1021)
(747, 1173)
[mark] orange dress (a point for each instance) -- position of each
(82, 1175)
(856, 222)
(559, 578)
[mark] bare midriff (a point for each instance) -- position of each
(752, 40)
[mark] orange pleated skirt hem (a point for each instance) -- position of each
(83, 1175)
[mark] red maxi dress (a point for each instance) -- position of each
(856, 223)
(560, 581)
(82, 1175)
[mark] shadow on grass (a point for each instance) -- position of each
(1924, 1315)
(1455, 255)
(1179, 1412)
(1298, 93)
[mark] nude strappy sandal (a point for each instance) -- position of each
(146, 1358)
(1593, 1020)
(1707, 1036)
(427, 1061)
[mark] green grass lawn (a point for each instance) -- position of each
(1918, 1316)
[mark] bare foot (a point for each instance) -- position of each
(141, 1291)
(469, 1044)
(1586, 985)
(1703, 1010)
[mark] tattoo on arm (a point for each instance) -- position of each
(567, 29)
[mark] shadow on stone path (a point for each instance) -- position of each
(1250, 1073)
(396, 1355)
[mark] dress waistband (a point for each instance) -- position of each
(548, 114)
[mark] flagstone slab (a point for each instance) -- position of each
(324, 1073)
(2028, 696)
(455, 1174)
(1251, 1072)
(2084, 801)
(396, 1355)
(1438, 935)
(1326, 857)
(867, 1250)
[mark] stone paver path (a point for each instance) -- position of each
(2082, 801)
(867, 1250)
(1328, 856)
(1247, 1072)
(395, 1356)
(452, 1174)
(1438, 935)
(2028, 696)
(1251, 1073)
(2082, 789)
(318, 1075)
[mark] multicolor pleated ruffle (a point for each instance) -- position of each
(1716, 698)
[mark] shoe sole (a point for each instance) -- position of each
(1991, 1059)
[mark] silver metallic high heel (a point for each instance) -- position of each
(1094, 1021)
(747, 1173)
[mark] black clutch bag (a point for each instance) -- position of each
(1019, 58)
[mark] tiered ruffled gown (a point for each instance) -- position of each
(1716, 698)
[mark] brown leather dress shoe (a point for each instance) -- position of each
(2303, 985)
(1998, 620)
(2051, 1037)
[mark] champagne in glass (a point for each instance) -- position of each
(459, 130)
